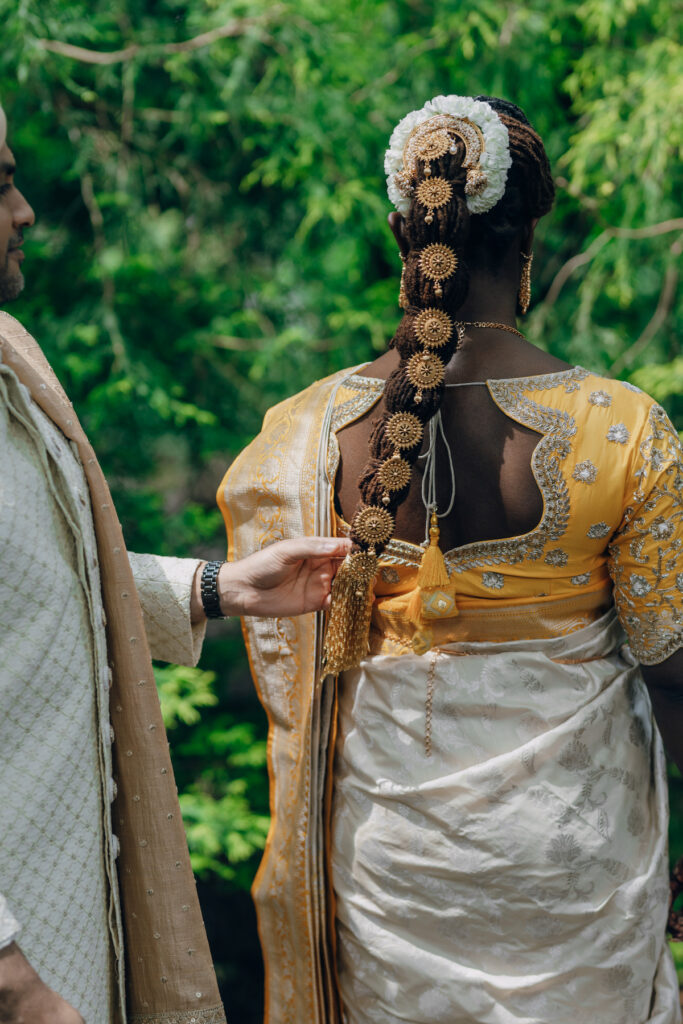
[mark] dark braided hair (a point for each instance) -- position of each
(444, 240)
(479, 239)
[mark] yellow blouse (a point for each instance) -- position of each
(610, 471)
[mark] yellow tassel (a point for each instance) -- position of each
(434, 597)
(348, 628)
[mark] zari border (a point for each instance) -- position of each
(212, 1015)
(557, 428)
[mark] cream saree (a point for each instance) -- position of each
(519, 873)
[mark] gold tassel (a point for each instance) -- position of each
(348, 628)
(434, 597)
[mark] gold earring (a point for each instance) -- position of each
(525, 282)
(402, 294)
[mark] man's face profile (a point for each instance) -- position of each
(15, 215)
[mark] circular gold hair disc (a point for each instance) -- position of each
(431, 141)
(437, 262)
(434, 192)
(404, 430)
(433, 327)
(394, 474)
(373, 525)
(425, 370)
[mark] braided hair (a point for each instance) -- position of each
(443, 240)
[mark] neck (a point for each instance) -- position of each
(490, 299)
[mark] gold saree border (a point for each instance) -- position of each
(210, 1015)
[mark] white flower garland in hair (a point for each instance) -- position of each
(495, 160)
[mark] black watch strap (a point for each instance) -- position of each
(209, 590)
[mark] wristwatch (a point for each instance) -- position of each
(209, 590)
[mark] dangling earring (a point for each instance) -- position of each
(525, 282)
(402, 294)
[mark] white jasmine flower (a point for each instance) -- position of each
(495, 159)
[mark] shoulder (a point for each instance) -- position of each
(625, 403)
(318, 391)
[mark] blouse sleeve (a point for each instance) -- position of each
(646, 553)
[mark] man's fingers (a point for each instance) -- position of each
(314, 547)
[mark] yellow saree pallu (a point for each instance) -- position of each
(156, 922)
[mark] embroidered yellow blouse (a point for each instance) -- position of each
(609, 467)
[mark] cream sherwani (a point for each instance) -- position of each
(58, 848)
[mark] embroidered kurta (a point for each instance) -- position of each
(523, 862)
(57, 843)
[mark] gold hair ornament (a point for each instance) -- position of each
(438, 262)
(394, 475)
(404, 430)
(425, 371)
(348, 628)
(373, 525)
(433, 193)
(433, 328)
(431, 140)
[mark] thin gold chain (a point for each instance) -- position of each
(429, 704)
(489, 323)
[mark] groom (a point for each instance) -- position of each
(93, 927)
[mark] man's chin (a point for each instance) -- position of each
(11, 287)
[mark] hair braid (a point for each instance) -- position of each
(443, 239)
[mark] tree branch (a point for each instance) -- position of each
(227, 31)
(659, 317)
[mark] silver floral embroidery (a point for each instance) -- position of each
(494, 580)
(369, 390)
(651, 540)
(639, 585)
(581, 580)
(586, 472)
(618, 433)
(556, 557)
(390, 575)
(599, 530)
(630, 387)
(600, 398)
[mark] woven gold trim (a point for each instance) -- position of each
(210, 1015)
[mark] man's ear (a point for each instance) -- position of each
(397, 225)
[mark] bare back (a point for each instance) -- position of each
(496, 493)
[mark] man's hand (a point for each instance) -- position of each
(24, 998)
(287, 578)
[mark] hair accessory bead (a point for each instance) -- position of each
(373, 525)
(404, 430)
(433, 328)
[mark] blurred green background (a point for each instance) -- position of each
(211, 237)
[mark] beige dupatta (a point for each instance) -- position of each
(169, 975)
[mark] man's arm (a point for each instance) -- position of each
(665, 684)
(288, 578)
